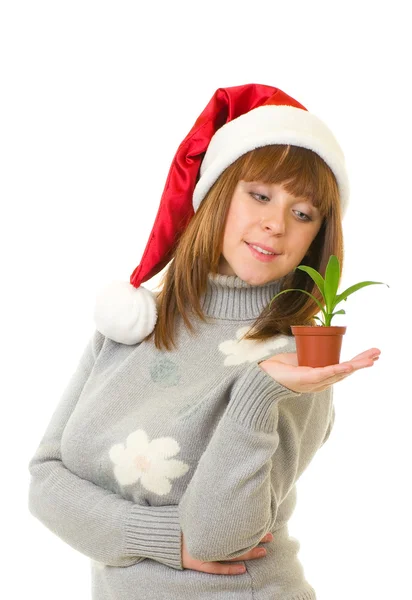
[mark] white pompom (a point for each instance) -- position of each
(124, 313)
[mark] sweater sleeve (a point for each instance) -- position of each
(97, 522)
(243, 476)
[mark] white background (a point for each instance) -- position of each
(95, 99)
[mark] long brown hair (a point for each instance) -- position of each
(197, 252)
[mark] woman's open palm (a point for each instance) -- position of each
(285, 370)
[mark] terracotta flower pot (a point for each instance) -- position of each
(318, 346)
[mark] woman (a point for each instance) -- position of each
(179, 440)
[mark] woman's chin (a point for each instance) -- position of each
(254, 277)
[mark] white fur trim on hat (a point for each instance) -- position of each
(124, 313)
(270, 124)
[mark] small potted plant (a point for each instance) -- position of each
(320, 346)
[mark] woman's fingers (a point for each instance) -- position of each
(256, 552)
(322, 377)
(372, 352)
(361, 361)
(216, 568)
(283, 368)
(345, 369)
(253, 554)
(365, 359)
(291, 358)
(220, 568)
(342, 370)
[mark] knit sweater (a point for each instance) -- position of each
(145, 444)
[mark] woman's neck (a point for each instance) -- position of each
(229, 297)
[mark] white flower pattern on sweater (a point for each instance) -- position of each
(239, 351)
(148, 461)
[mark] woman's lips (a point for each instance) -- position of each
(260, 256)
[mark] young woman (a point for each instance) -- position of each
(176, 447)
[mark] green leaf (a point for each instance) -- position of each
(298, 290)
(338, 312)
(354, 288)
(331, 282)
(317, 278)
(320, 320)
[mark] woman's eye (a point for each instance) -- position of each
(261, 196)
(303, 216)
(306, 217)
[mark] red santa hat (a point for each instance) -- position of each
(236, 120)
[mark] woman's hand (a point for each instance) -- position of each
(285, 370)
(219, 568)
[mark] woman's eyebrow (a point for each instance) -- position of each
(270, 186)
(291, 197)
(308, 200)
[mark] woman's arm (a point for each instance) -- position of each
(244, 475)
(96, 522)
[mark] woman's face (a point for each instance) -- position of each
(266, 214)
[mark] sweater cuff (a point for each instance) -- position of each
(253, 399)
(154, 532)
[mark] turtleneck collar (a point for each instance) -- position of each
(229, 297)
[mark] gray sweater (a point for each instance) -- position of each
(146, 444)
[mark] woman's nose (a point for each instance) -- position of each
(275, 223)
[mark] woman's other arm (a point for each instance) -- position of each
(98, 523)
